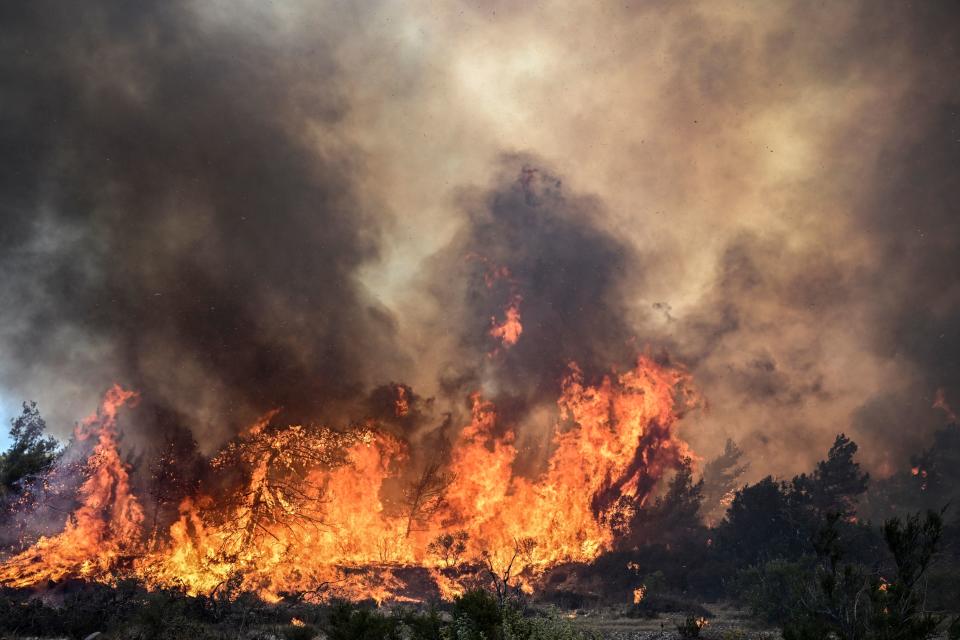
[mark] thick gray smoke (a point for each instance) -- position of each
(236, 206)
(179, 215)
(528, 238)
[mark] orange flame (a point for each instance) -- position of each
(510, 329)
(104, 528)
(401, 406)
(311, 513)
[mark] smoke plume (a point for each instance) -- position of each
(234, 208)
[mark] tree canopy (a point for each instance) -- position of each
(31, 452)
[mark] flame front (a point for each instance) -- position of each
(311, 513)
(105, 528)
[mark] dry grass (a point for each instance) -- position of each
(727, 623)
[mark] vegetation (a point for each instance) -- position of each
(797, 553)
(720, 478)
(173, 475)
(449, 548)
(832, 597)
(674, 517)
(31, 453)
(130, 611)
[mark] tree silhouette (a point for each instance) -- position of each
(30, 455)
(759, 524)
(174, 474)
(425, 496)
(720, 477)
(837, 484)
(276, 492)
(673, 517)
(449, 547)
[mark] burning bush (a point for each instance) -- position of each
(302, 508)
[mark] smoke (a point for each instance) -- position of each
(180, 213)
(833, 313)
(544, 247)
(234, 207)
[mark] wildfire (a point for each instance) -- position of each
(104, 528)
(510, 329)
(401, 406)
(311, 512)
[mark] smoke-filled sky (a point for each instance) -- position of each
(235, 206)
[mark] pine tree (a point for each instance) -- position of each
(837, 483)
(30, 454)
(720, 477)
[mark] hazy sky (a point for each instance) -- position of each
(238, 205)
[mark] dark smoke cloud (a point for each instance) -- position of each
(527, 234)
(565, 267)
(179, 213)
(234, 208)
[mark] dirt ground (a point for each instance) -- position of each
(726, 624)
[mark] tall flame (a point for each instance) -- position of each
(312, 508)
(105, 528)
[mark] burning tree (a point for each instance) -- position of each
(449, 547)
(107, 525)
(174, 475)
(504, 569)
(425, 496)
(672, 518)
(288, 508)
(273, 501)
(278, 491)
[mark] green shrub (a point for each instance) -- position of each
(477, 615)
(350, 622)
(943, 585)
(771, 591)
(22, 616)
(95, 607)
(126, 608)
(168, 614)
(846, 600)
(540, 627)
(421, 626)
